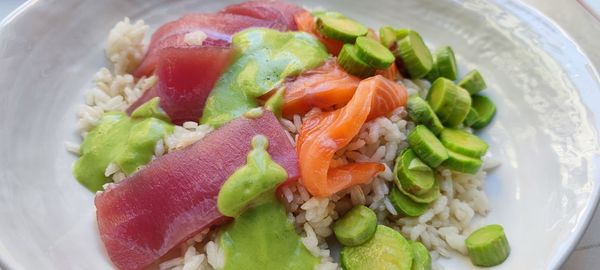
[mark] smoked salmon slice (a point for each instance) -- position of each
(390, 73)
(324, 133)
(175, 196)
(388, 96)
(326, 87)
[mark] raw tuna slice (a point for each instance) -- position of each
(278, 11)
(175, 196)
(218, 27)
(185, 78)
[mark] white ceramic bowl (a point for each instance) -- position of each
(545, 133)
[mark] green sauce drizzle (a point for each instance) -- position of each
(266, 57)
(127, 142)
(275, 102)
(260, 175)
(261, 237)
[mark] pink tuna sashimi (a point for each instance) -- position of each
(277, 11)
(185, 78)
(175, 196)
(218, 27)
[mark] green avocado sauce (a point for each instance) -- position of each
(265, 58)
(261, 237)
(127, 142)
(275, 102)
(260, 175)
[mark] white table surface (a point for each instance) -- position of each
(586, 255)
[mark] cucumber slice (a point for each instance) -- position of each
(402, 33)
(462, 163)
(427, 147)
(488, 246)
(473, 82)
(419, 179)
(433, 73)
(418, 165)
(356, 227)
(460, 109)
(463, 142)
(415, 55)
(349, 60)
(420, 112)
(472, 116)
(444, 64)
(403, 175)
(405, 205)
(486, 110)
(442, 97)
(421, 256)
(427, 197)
(340, 28)
(372, 35)
(373, 53)
(388, 249)
(387, 35)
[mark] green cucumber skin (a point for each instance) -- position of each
(487, 258)
(486, 110)
(420, 112)
(356, 227)
(443, 89)
(400, 171)
(406, 182)
(405, 205)
(402, 33)
(427, 146)
(428, 197)
(494, 252)
(446, 63)
(460, 109)
(416, 67)
(472, 116)
(433, 73)
(324, 28)
(406, 176)
(462, 163)
(463, 142)
(421, 256)
(387, 36)
(388, 249)
(473, 82)
(373, 53)
(348, 60)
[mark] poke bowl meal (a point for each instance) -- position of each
(262, 135)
